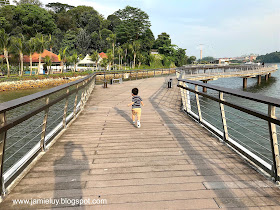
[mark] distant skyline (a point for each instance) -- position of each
(226, 28)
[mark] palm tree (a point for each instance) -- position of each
(62, 57)
(74, 60)
(135, 47)
(112, 39)
(40, 47)
(120, 52)
(30, 49)
(48, 62)
(125, 47)
(110, 56)
(17, 44)
(141, 59)
(50, 43)
(95, 57)
(5, 44)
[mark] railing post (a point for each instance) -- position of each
(223, 115)
(183, 97)
(198, 104)
(274, 144)
(65, 110)
(75, 103)
(3, 137)
(44, 127)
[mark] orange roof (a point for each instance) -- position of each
(103, 55)
(35, 57)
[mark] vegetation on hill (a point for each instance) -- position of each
(273, 57)
(72, 32)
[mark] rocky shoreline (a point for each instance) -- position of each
(39, 83)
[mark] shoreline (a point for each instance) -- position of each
(39, 83)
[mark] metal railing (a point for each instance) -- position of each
(29, 124)
(226, 70)
(245, 121)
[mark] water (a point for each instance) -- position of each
(249, 131)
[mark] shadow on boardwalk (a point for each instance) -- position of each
(167, 104)
(69, 160)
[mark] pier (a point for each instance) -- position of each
(208, 73)
(175, 160)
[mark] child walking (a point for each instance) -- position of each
(136, 106)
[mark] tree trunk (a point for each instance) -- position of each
(119, 61)
(30, 60)
(96, 65)
(61, 65)
(113, 55)
(134, 60)
(39, 66)
(7, 61)
(21, 63)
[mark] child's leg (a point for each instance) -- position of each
(139, 115)
(133, 116)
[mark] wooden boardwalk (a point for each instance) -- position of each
(169, 163)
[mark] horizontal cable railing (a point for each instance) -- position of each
(239, 122)
(29, 124)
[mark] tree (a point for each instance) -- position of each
(114, 22)
(50, 43)
(104, 63)
(133, 18)
(32, 19)
(181, 58)
(141, 59)
(120, 53)
(110, 58)
(40, 44)
(74, 60)
(18, 45)
(95, 57)
(5, 44)
(112, 39)
(48, 62)
(162, 40)
(135, 47)
(191, 59)
(59, 7)
(62, 58)
(83, 41)
(30, 49)
(32, 2)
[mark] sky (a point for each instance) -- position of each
(222, 28)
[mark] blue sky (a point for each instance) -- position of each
(226, 28)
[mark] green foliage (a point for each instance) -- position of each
(191, 59)
(33, 2)
(273, 57)
(32, 19)
(207, 59)
(59, 7)
(134, 22)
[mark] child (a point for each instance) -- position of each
(136, 106)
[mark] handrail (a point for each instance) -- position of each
(41, 134)
(251, 96)
(6, 106)
(192, 105)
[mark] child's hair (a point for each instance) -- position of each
(135, 91)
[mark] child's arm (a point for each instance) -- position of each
(142, 103)
(130, 104)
